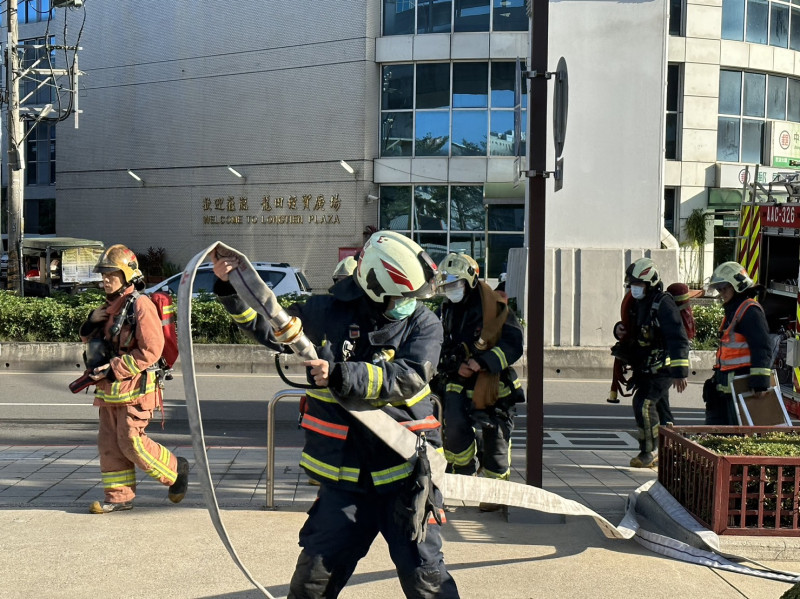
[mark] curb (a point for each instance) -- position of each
(559, 362)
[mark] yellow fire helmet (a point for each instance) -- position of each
(392, 265)
(118, 257)
(456, 267)
(733, 274)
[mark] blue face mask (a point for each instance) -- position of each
(403, 308)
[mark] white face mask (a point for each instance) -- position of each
(637, 291)
(455, 292)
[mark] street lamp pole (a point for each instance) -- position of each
(14, 191)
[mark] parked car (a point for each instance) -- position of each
(279, 276)
(4, 267)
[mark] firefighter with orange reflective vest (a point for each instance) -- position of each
(121, 349)
(377, 345)
(745, 347)
(657, 352)
(478, 385)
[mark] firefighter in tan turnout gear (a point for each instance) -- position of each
(120, 350)
(478, 386)
(657, 350)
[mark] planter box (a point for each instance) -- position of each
(731, 495)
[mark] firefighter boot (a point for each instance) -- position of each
(178, 489)
(644, 460)
(105, 508)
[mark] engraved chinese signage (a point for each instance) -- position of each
(272, 210)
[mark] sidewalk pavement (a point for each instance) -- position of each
(50, 546)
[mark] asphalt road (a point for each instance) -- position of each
(37, 408)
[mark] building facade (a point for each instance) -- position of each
(291, 134)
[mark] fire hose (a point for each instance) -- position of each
(252, 290)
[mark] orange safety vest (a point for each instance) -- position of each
(733, 352)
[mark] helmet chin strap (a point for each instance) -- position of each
(110, 297)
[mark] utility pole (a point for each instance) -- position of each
(16, 136)
(537, 192)
(14, 191)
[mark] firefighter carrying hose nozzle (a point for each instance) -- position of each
(656, 350)
(745, 347)
(478, 386)
(378, 345)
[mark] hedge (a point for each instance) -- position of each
(58, 318)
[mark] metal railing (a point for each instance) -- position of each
(298, 393)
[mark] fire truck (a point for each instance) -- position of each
(769, 249)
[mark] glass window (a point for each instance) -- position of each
(471, 15)
(33, 11)
(728, 139)
(776, 98)
(432, 136)
(754, 94)
(395, 207)
(499, 244)
(510, 217)
(469, 132)
(733, 19)
(509, 15)
(433, 16)
(471, 244)
(503, 85)
(398, 17)
(794, 33)
(32, 93)
(470, 84)
(443, 123)
(397, 91)
(757, 20)
(501, 134)
(671, 138)
(752, 140)
(433, 85)
(676, 17)
(430, 208)
(673, 113)
(793, 104)
(40, 153)
(466, 208)
(730, 92)
(779, 25)
(670, 223)
(396, 133)
(433, 243)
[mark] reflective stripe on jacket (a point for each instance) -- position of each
(733, 351)
(386, 364)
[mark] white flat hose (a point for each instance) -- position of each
(259, 296)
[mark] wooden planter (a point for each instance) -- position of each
(733, 495)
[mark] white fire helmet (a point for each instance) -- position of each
(733, 274)
(392, 265)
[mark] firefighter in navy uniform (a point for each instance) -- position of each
(660, 355)
(378, 344)
(479, 388)
(745, 347)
